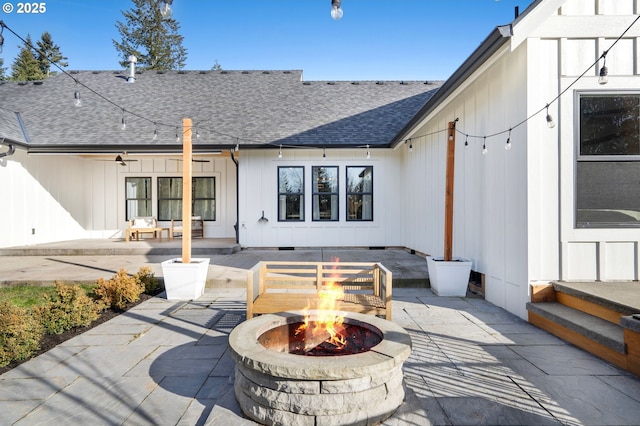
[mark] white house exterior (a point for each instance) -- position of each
(370, 171)
(516, 210)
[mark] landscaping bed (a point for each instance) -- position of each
(31, 325)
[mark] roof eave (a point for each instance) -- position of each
(487, 48)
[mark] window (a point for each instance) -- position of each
(360, 193)
(203, 198)
(138, 197)
(608, 161)
(325, 193)
(290, 193)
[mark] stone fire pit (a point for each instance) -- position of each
(275, 387)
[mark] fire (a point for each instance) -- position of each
(327, 326)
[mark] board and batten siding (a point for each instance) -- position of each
(490, 200)
(259, 193)
(58, 198)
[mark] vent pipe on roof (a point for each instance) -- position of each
(517, 11)
(132, 69)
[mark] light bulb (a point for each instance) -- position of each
(550, 122)
(336, 10)
(197, 134)
(155, 133)
(508, 144)
(280, 152)
(177, 136)
(549, 119)
(466, 141)
(123, 123)
(604, 72)
(165, 9)
(368, 153)
(484, 147)
(410, 147)
(76, 95)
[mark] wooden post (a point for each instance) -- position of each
(186, 190)
(448, 196)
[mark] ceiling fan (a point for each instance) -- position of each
(121, 160)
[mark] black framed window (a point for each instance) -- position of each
(203, 198)
(138, 197)
(291, 193)
(325, 193)
(608, 161)
(359, 193)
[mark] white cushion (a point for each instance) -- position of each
(143, 222)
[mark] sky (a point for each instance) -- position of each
(374, 40)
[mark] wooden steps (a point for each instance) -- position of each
(597, 317)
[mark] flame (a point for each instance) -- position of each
(326, 326)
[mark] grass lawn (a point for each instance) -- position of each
(26, 296)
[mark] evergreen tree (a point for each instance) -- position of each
(154, 42)
(26, 66)
(216, 66)
(3, 76)
(48, 49)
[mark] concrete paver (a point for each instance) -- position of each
(167, 363)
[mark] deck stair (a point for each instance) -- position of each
(595, 316)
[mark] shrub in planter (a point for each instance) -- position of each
(20, 333)
(71, 307)
(147, 280)
(119, 290)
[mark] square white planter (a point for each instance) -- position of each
(449, 278)
(185, 281)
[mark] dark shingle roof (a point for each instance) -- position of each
(257, 107)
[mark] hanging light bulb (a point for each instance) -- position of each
(155, 132)
(410, 146)
(507, 146)
(484, 146)
(237, 148)
(280, 152)
(324, 153)
(466, 141)
(604, 71)
(165, 9)
(368, 152)
(123, 122)
(550, 122)
(197, 134)
(78, 100)
(177, 136)
(336, 10)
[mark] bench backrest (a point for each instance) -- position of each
(277, 276)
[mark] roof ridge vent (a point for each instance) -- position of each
(306, 83)
(182, 72)
(355, 83)
(380, 83)
(266, 72)
(331, 83)
(203, 72)
(98, 72)
(245, 72)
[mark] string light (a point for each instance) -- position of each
(324, 153)
(368, 153)
(550, 122)
(177, 135)
(123, 122)
(280, 152)
(507, 146)
(197, 134)
(466, 141)
(155, 132)
(78, 100)
(604, 71)
(336, 10)
(484, 146)
(603, 74)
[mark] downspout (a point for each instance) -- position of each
(237, 225)
(11, 150)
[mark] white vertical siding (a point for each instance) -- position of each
(65, 198)
(259, 192)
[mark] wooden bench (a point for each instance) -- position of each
(291, 286)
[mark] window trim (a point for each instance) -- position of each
(347, 194)
(193, 198)
(301, 194)
(580, 158)
(336, 193)
(127, 199)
